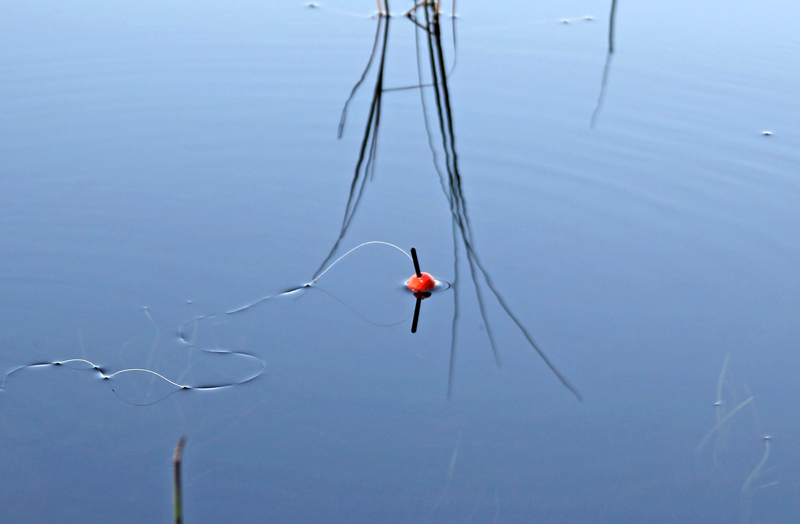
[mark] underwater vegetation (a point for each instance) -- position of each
(726, 394)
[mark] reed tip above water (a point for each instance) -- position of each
(177, 489)
(178, 455)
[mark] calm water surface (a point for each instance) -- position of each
(163, 164)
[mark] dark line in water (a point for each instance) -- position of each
(454, 325)
(345, 304)
(416, 315)
(607, 68)
(453, 191)
(368, 144)
(343, 118)
(458, 207)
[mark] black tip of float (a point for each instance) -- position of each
(416, 262)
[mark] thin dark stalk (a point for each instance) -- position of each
(426, 119)
(458, 206)
(455, 41)
(450, 180)
(527, 335)
(343, 118)
(448, 136)
(369, 170)
(368, 150)
(607, 68)
(482, 308)
(455, 174)
(472, 255)
(410, 11)
(411, 17)
(456, 279)
(442, 100)
(177, 492)
(454, 326)
(438, 102)
(612, 17)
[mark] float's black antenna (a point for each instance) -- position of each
(416, 262)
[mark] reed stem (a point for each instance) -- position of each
(177, 493)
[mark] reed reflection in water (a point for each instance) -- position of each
(433, 75)
(607, 68)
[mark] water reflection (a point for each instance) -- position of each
(439, 125)
(136, 384)
(365, 165)
(604, 82)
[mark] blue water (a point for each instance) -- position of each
(164, 164)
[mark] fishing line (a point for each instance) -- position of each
(314, 280)
(189, 336)
(178, 386)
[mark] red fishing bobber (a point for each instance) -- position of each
(420, 282)
(423, 283)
